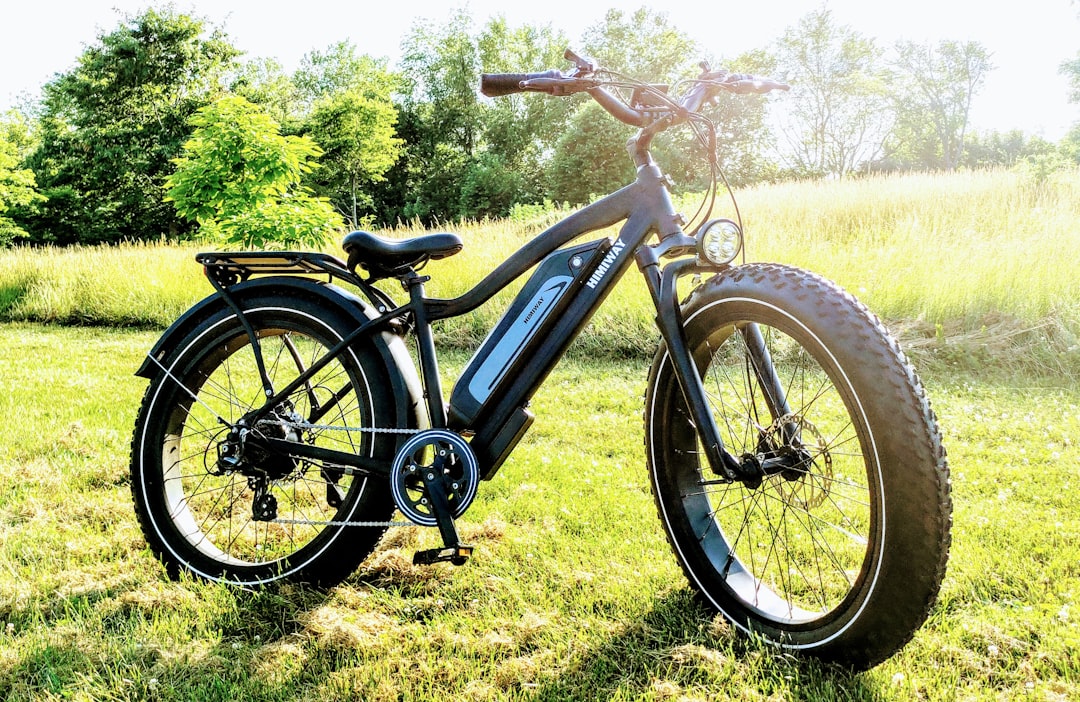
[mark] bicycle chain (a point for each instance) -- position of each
(311, 522)
(304, 426)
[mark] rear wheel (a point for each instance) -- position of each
(247, 516)
(841, 549)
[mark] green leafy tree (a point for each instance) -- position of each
(1070, 145)
(468, 157)
(519, 131)
(838, 113)
(1071, 70)
(1003, 149)
(590, 159)
(935, 89)
(344, 101)
(17, 190)
(643, 45)
(742, 136)
(265, 83)
(356, 134)
(18, 127)
(441, 68)
(442, 121)
(239, 178)
(348, 109)
(111, 127)
(338, 69)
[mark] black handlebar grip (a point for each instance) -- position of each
(497, 84)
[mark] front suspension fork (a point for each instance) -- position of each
(662, 286)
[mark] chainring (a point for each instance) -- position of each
(438, 455)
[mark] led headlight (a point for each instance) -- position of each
(719, 241)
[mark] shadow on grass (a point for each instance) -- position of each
(679, 651)
(675, 651)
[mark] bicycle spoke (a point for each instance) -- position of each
(214, 510)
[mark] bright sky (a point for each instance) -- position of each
(1028, 41)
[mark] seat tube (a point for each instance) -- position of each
(425, 348)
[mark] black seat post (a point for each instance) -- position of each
(425, 347)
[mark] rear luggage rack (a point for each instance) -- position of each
(231, 268)
(226, 269)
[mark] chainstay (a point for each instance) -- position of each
(304, 426)
(311, 522)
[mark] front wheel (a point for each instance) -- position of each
(839, 552)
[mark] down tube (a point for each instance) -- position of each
(589, 292)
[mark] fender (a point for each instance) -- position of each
(399, 366)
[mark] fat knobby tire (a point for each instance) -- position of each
(322, 554)
(908, 508)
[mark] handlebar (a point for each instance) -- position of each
(554, 82)
(499, 84)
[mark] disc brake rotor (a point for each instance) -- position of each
(807, 486)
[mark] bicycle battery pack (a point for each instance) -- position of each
(524, 327)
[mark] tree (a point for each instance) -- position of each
(742, 136)
(936, 88)
(17, 190)
(339, 69)
(111, 127)
(265, 83)
(356, 134)
(997, 149)
(239, 178)
(838, 110)
(519, 131)
(1070, 145)
(590, 159)
(19, 129)
(441, 69)
(1071, 69)
(468, 157)
(643, 45)
(440, 115)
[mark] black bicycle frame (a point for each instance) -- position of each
(501, 417)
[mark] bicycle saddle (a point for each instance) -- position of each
(387, 258)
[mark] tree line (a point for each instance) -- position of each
(163, 129)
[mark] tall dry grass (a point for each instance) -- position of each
(985, 257)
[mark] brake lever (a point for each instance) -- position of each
(559, 86)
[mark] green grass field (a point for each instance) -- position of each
(572, 594)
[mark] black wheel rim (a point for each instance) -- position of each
(794, 550)
(211, 510)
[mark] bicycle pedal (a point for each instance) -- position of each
(454, 554)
